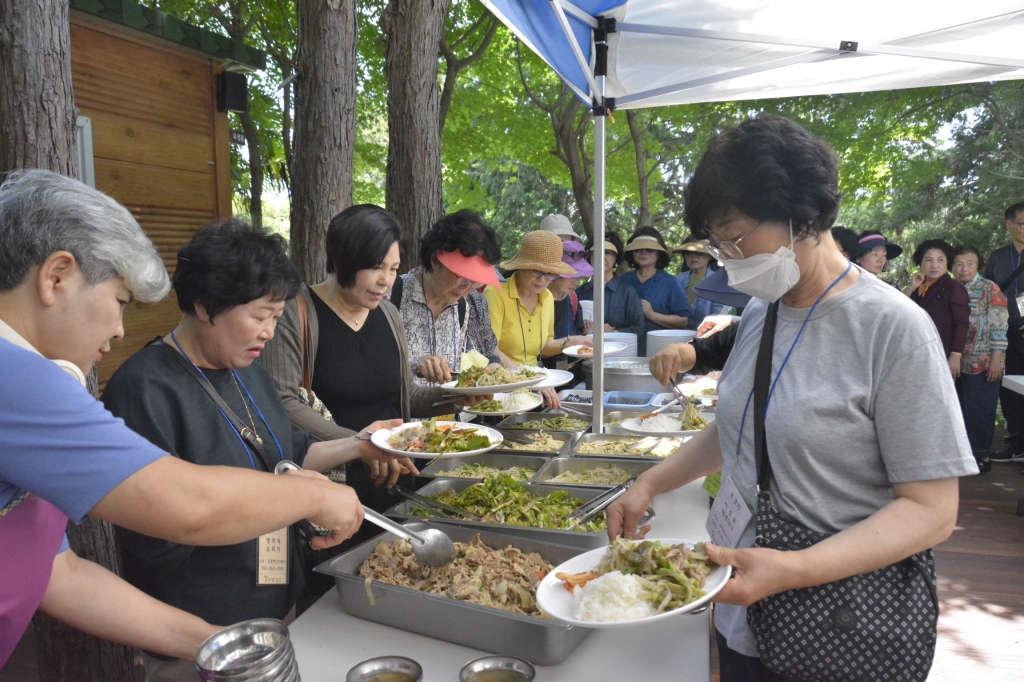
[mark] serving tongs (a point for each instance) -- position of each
(437, 508)
(586, 512)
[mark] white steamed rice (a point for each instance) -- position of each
(661, 422)
(519, 401)
(610, 598)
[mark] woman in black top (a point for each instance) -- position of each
(231, 282)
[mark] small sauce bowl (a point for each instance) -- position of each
(497, 669)
(386, 669)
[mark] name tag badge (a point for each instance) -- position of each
(273, 558)
(729, 515)
(1020, 302)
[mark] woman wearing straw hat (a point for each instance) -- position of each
(523, 310)
(662, 298)
(697, 258)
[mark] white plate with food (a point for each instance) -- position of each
(554, 379)
(482, 381)
(670, 424)
(617, 586)
(437, 439)
(503, 404)
(581, 351)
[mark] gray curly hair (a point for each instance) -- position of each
(42, 212)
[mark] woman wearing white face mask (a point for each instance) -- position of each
(855, 479)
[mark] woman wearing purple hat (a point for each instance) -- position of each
(873, 252)
(568, 312)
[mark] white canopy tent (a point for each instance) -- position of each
(625, 54)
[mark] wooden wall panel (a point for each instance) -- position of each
(159, 147)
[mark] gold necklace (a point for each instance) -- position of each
(246, 406)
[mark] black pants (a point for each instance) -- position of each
(1011, 401)
(735, 667)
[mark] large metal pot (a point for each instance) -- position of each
(624, 374)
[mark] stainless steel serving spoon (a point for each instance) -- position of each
(431, 546)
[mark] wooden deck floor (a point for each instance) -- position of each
(981, 586)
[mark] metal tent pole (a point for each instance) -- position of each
(599, 163)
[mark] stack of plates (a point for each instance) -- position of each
(588, 310)
(660, 338)
(627, 338)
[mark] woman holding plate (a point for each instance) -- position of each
(833, 482)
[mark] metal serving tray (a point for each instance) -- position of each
(605, 437)
(560, 465)
(487, 459)
(568, 439)
(622, 414)
(542, 642)
(572, 538)
(510, 423)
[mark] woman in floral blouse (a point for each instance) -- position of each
(981, 367)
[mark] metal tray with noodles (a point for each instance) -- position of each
(543, 642)
(573, 538)
(488, 459)
(512, 424)
(566, 439)
(560, 465)
(663, 446)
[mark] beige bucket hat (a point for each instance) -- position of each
(540, 251)
(560, 225)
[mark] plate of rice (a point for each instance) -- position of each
(515, 402)
(631, 582)
(670, 424)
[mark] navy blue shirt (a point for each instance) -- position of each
(664, 294)
(622, 309)
(998, 267)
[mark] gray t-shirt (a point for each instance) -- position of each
(866, 400)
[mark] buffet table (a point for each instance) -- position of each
(328, 642)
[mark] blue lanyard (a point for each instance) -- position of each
(785, 361)
(248, 450)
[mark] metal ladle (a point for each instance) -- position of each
(431, 546)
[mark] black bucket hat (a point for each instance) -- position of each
(868, 242)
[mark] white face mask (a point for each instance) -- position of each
(767, 275)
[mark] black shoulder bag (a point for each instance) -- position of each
(874, 627)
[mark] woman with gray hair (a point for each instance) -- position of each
(71, 259)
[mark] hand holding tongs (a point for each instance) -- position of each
(437, 508)
(588, 511)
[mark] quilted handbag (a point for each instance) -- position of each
(874, 627)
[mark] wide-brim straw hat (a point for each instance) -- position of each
(540, 251)
(645, 242)
(693, 247)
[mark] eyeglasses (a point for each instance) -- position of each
(730, 250)
(465, 282)
(1019, 225)
(575, 255)
(537, 274)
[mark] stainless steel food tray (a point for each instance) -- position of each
(487, 459)
(560, 465)
(622, 414)
(605, 437)
(572, 538)
(568, 439)
(542, 642)
(510, 423)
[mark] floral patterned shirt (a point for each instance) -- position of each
(443, 335)
(988, 325)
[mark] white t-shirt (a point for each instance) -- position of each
(866, 400)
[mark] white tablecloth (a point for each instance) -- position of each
(328, 642)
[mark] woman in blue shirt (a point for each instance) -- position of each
(661, 297)
(697, 260)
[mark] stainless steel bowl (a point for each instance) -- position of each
(386, 669)
(250, 650)
(497, 669)
(624, 374)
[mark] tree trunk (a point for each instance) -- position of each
(644, 218)
(37, 108)
(413, 189)
(323, 150)
(252, 143)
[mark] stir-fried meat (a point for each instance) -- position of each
(503, 578)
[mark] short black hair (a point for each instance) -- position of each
(464, 231)
(846, 238)
(609, 236)
(1012, 211)
(359, 238)
(962, 249)
(769, 169)
(929, 244)
(230, 264)
(648, 231)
